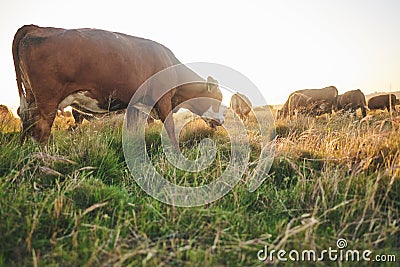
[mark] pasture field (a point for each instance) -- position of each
(74, 202)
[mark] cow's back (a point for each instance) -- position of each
(351, 99)
(93, 58)
(305, 98)
(329, 92)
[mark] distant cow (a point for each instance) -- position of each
(298, 103)
(98, 71)
(241, 105)
(4, 111)
(310, 101)
(386, 101)
(351, 101)
(302, 104)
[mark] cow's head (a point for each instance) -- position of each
(283, 112)
(320, 107)
(214, 115)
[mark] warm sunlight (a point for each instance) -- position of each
(121, 156)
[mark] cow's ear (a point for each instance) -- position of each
(211, 80)
(210, 83)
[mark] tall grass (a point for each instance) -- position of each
(74, 202)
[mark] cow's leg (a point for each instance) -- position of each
(164, 107)
(132, 118)
(28, 115)
(150, 120)
(28, 112)
(353, 112)
(37, 120)
(42, 127)
(78, 117)
(363, 111)
(235, 116)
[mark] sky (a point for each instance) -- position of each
(281, 46)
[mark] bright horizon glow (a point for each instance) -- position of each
(281, 46)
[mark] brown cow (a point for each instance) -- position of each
(310, 101)
(241, 105)
(96, 71)
(6, 117)
(382, 101)
(351, 101)
(4, 111)
(298, 103)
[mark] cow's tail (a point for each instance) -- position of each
(335, 100)
(364, 106)
(364, 103)
(19, 35)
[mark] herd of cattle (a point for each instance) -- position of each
(97, 71)
(324, 101)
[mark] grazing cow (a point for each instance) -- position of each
(298, 103)
(310, 101)
(97, 71)
(241, 105)
(382, 101)
(8, 123)
(351, 101)
(4, 111)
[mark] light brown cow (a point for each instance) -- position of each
(4, 111)
(241, 105)
(310, 101)
(386, 101)
(8, 123)
(299, 103)
(96, 71)
(351, 101)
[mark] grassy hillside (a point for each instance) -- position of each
(74, 202)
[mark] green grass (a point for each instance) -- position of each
(74, 202)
